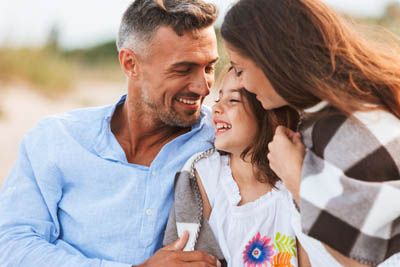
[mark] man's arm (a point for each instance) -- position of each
(29, 225)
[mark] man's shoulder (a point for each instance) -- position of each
(76, 123)
(203, 129)
(206, 117)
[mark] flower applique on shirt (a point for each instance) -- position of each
(261, 251)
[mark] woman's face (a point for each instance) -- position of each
(251, 77)
(234, 122)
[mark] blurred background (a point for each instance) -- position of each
(56, 55)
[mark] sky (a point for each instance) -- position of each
(87, 22)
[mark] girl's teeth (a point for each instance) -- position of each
(223, 126)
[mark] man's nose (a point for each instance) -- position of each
(202, 83)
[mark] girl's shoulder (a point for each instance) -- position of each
(208, 167)
(209, 160)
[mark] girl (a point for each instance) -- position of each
(299, 53)
(230, 200)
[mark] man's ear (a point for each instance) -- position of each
(129, 62)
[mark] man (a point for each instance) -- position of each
(93, 187)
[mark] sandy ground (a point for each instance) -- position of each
(21, 108)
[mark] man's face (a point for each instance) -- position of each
(176, 75)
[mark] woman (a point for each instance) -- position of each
(300, 53)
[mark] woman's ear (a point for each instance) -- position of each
(128, 62)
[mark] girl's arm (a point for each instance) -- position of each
(343, 260)
(206, 202)
(302, 256)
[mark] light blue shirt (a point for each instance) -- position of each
(72, 199)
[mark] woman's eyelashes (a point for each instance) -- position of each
(238, 72)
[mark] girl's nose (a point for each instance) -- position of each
(217, 108)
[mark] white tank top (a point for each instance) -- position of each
(258, 233)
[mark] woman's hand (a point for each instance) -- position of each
(286, 155)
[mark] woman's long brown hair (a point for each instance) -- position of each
(309, 54)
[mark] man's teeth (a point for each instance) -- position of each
(186, 101)
(223, 126)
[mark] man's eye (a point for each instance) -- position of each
(210, 69)
(183, 71)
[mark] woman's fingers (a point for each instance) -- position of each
(292, 135)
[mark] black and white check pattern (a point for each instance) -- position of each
(350, 189)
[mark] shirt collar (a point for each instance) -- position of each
(108, 147)
(111, 111)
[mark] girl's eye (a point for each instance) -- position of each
(234, 100)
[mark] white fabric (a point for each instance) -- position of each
(316, 252)
(236, 226)
(393, 261)
(192, 229)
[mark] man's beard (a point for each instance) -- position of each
(170, 116)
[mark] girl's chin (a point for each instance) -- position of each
(221, 147)
(224, 147)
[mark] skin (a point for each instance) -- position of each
(251, 77)
(232, 109)
(286, 145)
(173, 67)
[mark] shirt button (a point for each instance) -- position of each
(149, 212)
(153, 173)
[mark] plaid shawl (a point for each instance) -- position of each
(350, 188)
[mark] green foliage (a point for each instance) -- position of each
(99, 54)
(53, 71)
(44, 68)
(285, 243)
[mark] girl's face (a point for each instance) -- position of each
(234, 122)
(254, 80)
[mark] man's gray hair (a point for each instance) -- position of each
(144, 17)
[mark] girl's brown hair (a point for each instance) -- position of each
(309, 54)
(267, 122)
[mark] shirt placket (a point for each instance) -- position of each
(150, 209)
